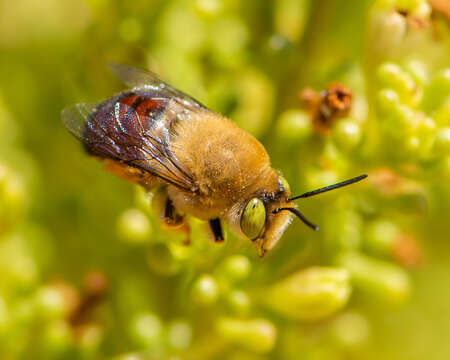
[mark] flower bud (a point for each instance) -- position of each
(205, 290)
(310, 294)
(236, 268)
(438, 90)
(418, 71)
(382, 279)
(291, 17)
(146, 330)
(258, 335)
(50, 302)
(387, 29)
(294, 125)
(134, 226)
(347, 134)
(208, 8)
(90, 339)
(387, 100)
(238, 301)
(350, 329)
(441, 144)
(393, 76)
(381, 236)
(179, 335)
(442, 114)
(13, 195)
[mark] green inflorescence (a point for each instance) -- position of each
(88, 272)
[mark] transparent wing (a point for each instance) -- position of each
(143, 79)
(115, 130)
(75, 117)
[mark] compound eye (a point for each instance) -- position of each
(283, 182)
(253, 218)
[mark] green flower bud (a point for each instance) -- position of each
(401, 122)
(412, 146)
(134, 226)
(205, 290)
(146, 330)
(179, 21)
(13, 194)
(310, 294)
(347, 134)
(343, 230)
(393, 76)
(350, 329)
(441, 145)
(387, 281)
(291, 17)
(50, 303)
(239, 301)
(442, 114)
(233, 33)
(179, 335)
(422, 10)
(294, 126)
(258, 335)
(208, 8)
(418, 71)
(317, 179)
(22, 272)
(438, 90)
(90, 339)
(381, 236)
(256, 102)
(236, 268)
(387, 100)
(386, 32)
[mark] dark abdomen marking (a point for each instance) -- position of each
(118, 127)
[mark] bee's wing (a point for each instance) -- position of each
(144, 79)
(76, 118)
(117, 131)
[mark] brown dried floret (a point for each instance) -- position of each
(95, 288)
(407, 251)
(327, 106)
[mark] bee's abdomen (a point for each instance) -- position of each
(118, 126)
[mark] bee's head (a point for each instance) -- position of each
(265, 216)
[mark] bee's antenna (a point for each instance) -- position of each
(299, 215)
(328, 188)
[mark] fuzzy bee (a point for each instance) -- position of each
(199, 162)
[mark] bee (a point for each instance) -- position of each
(199, 162)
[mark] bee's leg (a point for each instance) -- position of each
(174, 220)
(170, 217)
(216, 229)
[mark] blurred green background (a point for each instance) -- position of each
(86, 272)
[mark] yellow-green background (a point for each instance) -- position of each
(247, 60)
